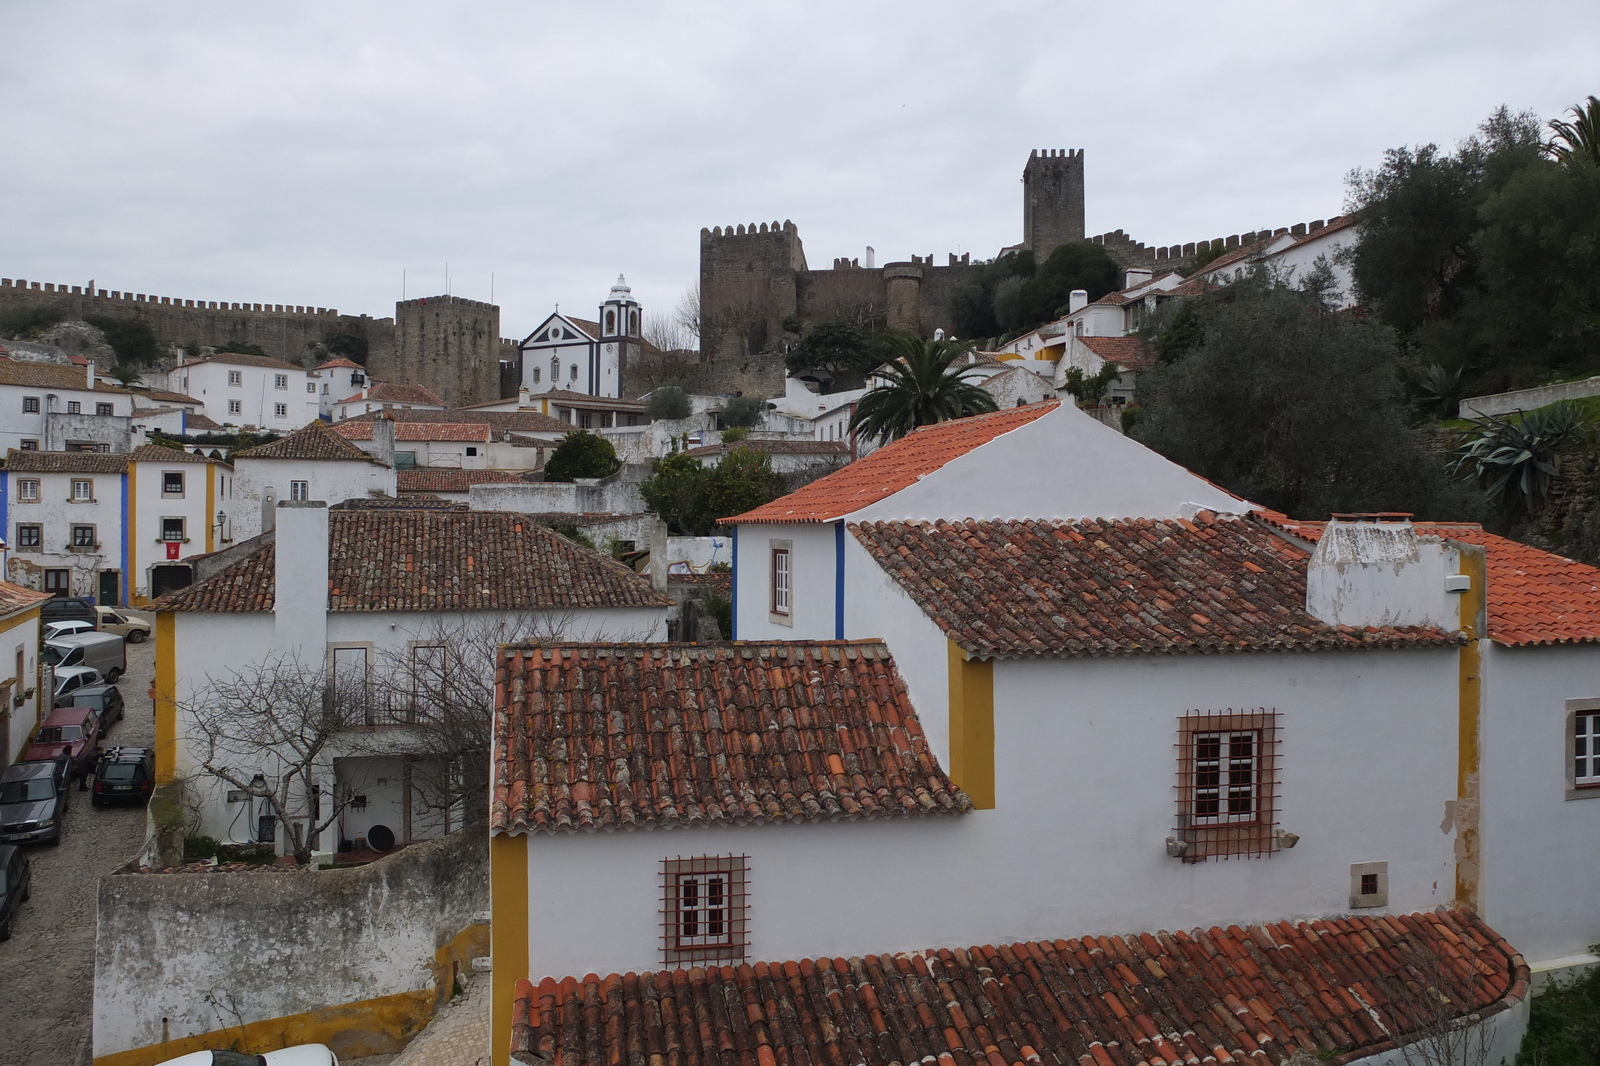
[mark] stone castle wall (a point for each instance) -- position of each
(1052, 199)
(450, 344)
(747, 284)
(285, 331)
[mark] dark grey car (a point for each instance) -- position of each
(33, 802)
(106, 701)
(15, 885)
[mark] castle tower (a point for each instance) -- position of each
(449, 344)
(747, 285)
(1052, 200)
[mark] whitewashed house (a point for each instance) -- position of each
(335, 379)
(1293, 253)
(458, 445)
(64, 516)
(251, 391)
(182, 505)
(385, 396)
(22, 705)
(312, 463)
(51, 407)
(361, 593)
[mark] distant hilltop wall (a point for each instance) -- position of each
(284, 331)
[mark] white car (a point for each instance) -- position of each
(69, 679)
(299, 1055)
(134, 630)
(66, 629)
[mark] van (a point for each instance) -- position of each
(103, 651)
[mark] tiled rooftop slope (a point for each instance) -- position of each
(1224, 996)
(626, 735)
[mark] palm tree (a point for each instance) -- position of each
(920, 385)
(126, 374)
(1580, 138)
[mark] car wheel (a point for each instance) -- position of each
(5, 930)
(94, 801)
(55, 841)
(112, 675)
(136, 636)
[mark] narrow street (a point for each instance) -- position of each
(47, 967)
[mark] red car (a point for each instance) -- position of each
(69, 733)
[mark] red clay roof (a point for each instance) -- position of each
(1129, 353)
(393, 392)
(343, 363)
(242, 359)
(449, 479)
(1019, 588)
(515, 421)
(425, 560)
(893, 467)
(37, 462)
(1535, 596)
(14, 598)
(1260, 996)
(314, 440)
(592, 736)
(468, 432)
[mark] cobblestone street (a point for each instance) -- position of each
(47, 967)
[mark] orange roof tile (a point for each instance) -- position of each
(1333, 989)
(893, 467)
(1129, 353)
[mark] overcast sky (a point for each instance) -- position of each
(310, 153)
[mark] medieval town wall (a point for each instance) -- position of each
(747, 284)
(449, 344)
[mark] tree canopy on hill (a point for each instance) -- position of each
(131, 338)
(1014, 294)
(1266, 391)
(692, 498)
(839, 353)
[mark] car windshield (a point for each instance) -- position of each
(30, 791)
(95, 700)
(52, 655)
(235, 1058)
(119, 771)
(60, 734)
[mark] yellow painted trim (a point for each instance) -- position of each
(972, 726)
(213, 475)
(378, 1026)
(1469, 723)
(130, 579)
(164, 694)
(508, 909)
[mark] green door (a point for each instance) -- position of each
(110, 588)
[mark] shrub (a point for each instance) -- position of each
(743, 412)
(25, 322)
(199, 848)
(241, 348)
(1514, 458)
(131, 338)
(581, 454)
(669, 402)
(735, 434)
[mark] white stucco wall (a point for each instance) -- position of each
(811, 582)
(20, 635)
(1085, 769)
(331, 480)
(1538, 886)
(198, 507)
(17, 425)
(256, 394)
(58, 513)
(1382, 574)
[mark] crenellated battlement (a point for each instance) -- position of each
(456, 301)
(1056, 153)
(1131, 253)
(119, 297)
(786, 228)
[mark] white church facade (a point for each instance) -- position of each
(567, 354)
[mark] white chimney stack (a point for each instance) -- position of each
(1136, 276)
(1374, 570)
(1077, 300)
(871, 260)
(383, 440)
(300, 572)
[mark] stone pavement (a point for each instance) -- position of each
(47, 967)
(457, 1036)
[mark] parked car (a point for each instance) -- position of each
(33, 802)
(299, 1055)
(69, 679)
(69, 733)
(106, 652)
(106, 701)
(16, 885)
(62, 608)
(135, 630)
(124, 775)
(67, 628)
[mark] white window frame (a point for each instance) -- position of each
(1227, 764)
(28, 490)
(1584, 714)
(87, 485)
(705, 909)
(280, 410)
(299, 490)
(236, 378)
(780, 582)
(235, 407)
(280, 381)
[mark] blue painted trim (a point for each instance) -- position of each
(838, 581)
(5, 522)
(126, 534)
(734, 619)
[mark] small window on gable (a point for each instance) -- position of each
(555, 371)
(299, 490)
(1227, 784)
(536, 375)
(172, 483)
(30, 405)
(780, 582)
(705, 910)
(572, 372)
(1583, 749)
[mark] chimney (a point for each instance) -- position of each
(1374, 570)
(871, 257)
(300, 609)
(658, 555)
(1136, 276)
(524, 398)
(269, 507)
(88, 368)
(383, 440)
(1077, 300)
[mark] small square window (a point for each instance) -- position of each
(104, 409)
(30, 536)
(780, 582)
(172, 530)
(299, 490)
(74, 407)
(705, 905)
(311, 387)
(471, 450)
(172, 483)
(280, 410)
(82, 491)
(30, 445)
(235, 377)
(83, 537)
(1369, 884)
(28, 490)
(30, 405)
(1227, 778)
(1583, 749)
(280, 381)
(234, 407)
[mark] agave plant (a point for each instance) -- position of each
(1440, 390)
(1514, 458)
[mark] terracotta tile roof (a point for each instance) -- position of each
(19, 462)
(1129, 353)
(469, 432)
(424, 560)
(14, 598)
(162, 396)
(243, 359)
(315, 440)
(201, 422)
(591, 736)
(1096, 588)
(581, 399)
(719, 581)
(393, 392)
(516, 421)
(409, 502)
(155, 453)
(1534, 596)
(774, 447)
(1117, 299)
(1264, 995)
(449, 479)
(345, 364)
(49, 376)
(893, 467)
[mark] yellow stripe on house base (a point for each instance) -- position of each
(508, 910)
(972, 727)
(164, 694)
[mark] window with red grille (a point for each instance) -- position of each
(705, 909)
(1227, 783)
